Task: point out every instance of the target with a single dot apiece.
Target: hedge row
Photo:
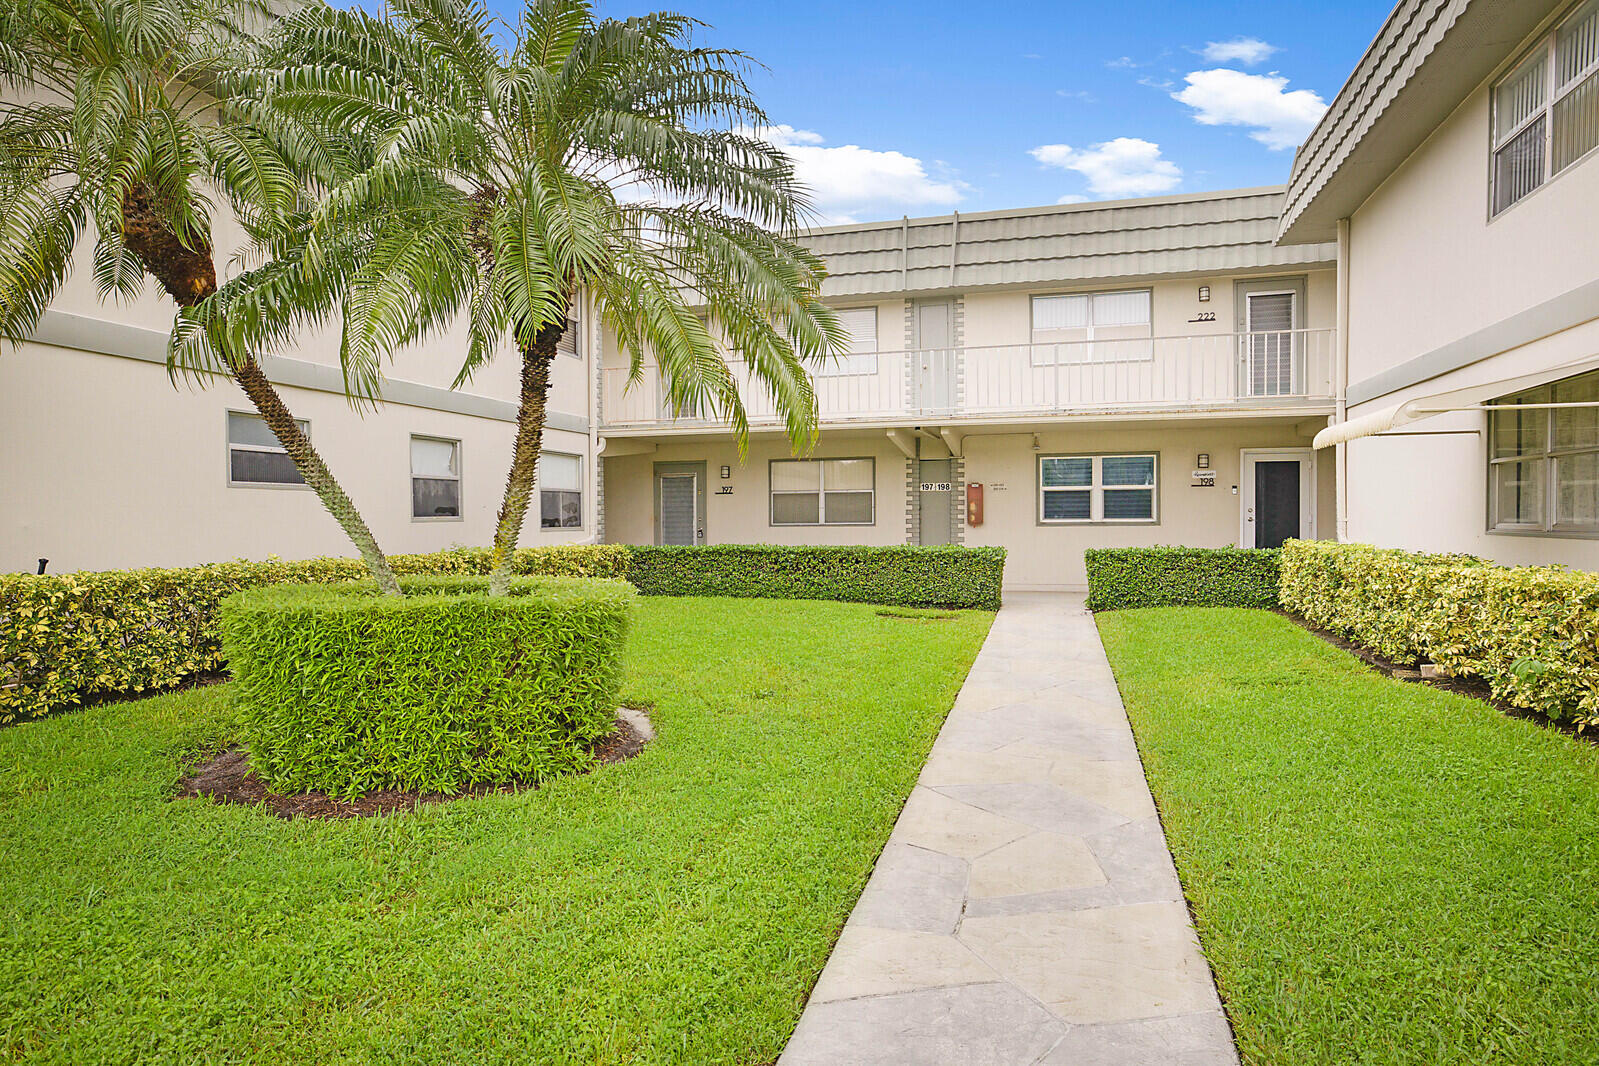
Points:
(68, 638)
(71, 637)
(339, 689)
(1530, 632)
(1122, 578)
(897, 576)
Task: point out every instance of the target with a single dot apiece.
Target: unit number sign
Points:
(937, 486)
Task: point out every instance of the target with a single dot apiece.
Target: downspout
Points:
(592, 351)
(1341, 384)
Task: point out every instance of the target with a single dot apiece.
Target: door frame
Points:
(1308, 489)
(700, 470)
(933, 386)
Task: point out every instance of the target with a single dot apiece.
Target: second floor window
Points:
(1546, 112)
(1091, 327)
(571, 342)
(860, 355)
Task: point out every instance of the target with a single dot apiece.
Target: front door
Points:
(677, 505)
(935, 498)
(1279, 490)
(934, 357)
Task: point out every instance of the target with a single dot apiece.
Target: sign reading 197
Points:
(937, 486)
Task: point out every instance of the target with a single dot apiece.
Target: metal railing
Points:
(1270, 369)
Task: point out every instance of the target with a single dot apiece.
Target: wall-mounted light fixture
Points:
(727, 472)
(1202, 461)
(1204, 294)
(1037, 447)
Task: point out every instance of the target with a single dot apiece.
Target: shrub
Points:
(1122, 578)
(1530, 632)
(68, 638)
(895, 576)
(344, 691)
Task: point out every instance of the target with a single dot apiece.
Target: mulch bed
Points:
(1474, 687)
(227, 778)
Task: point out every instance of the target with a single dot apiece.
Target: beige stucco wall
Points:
(1427, 265)
(1040, 556)
(106, 464)
(1051, 556)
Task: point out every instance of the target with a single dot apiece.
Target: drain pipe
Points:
(42, 564)
(1341, 385)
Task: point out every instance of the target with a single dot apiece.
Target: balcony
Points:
(1222, 372)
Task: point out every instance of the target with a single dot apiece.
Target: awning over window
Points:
(1462, 399)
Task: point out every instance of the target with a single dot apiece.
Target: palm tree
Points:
(606, 157)
(116, 120)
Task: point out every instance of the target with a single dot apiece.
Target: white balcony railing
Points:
(1220, 370)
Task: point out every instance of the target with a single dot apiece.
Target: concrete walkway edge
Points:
(1025, 909)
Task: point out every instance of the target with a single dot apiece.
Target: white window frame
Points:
(582, 496)
(305, 428)
(1544, 52)
(820, 492)
(1096, 489)
(573, 330)
(460, 495)
(853, 364)
(1549, 454)
(1038, 348)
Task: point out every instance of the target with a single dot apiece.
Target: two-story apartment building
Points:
(1458, 171)
(1133, 372)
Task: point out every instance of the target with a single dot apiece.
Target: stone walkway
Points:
(1025, 909)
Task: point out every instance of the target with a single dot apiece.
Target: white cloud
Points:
(1073, 198)
(1281, 119)
(1121, 63)
(1126, 166)
(849, 181)
(1245, 50)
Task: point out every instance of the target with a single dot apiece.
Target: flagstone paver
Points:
(1026, 909)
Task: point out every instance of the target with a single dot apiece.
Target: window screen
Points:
(435, 478)
(254, 455)
(560, 491)
(823, 492)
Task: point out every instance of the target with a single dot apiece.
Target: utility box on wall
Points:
(974, 504)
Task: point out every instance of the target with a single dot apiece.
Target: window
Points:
(1543, 466)
(435, 478)
(1099, 327)
(1546, 112)
(1096, 488)
(824, 492)
(571, 342)
(861, 352)
(254, 455)
(560, 491)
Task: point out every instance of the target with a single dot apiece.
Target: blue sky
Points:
(923, 108)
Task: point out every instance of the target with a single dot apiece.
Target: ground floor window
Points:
(823, 492)
(254, 455)
(1096, 488)
(435, 477)
(560, 491)
(1543, 463)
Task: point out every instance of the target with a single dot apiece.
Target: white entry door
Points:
(935, 355)
(1278, 497)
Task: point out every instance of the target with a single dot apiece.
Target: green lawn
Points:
(1381, 872)
(674, 908)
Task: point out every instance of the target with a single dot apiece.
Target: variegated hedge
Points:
(1530, 632)
(68, 638)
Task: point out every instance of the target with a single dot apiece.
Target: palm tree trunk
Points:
(315, 472)
(188, 273)
(536, 362)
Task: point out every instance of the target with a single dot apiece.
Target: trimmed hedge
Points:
(345, 691)
(1530, 632)
(72, 637)
(1123, 578)
(946, 576)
